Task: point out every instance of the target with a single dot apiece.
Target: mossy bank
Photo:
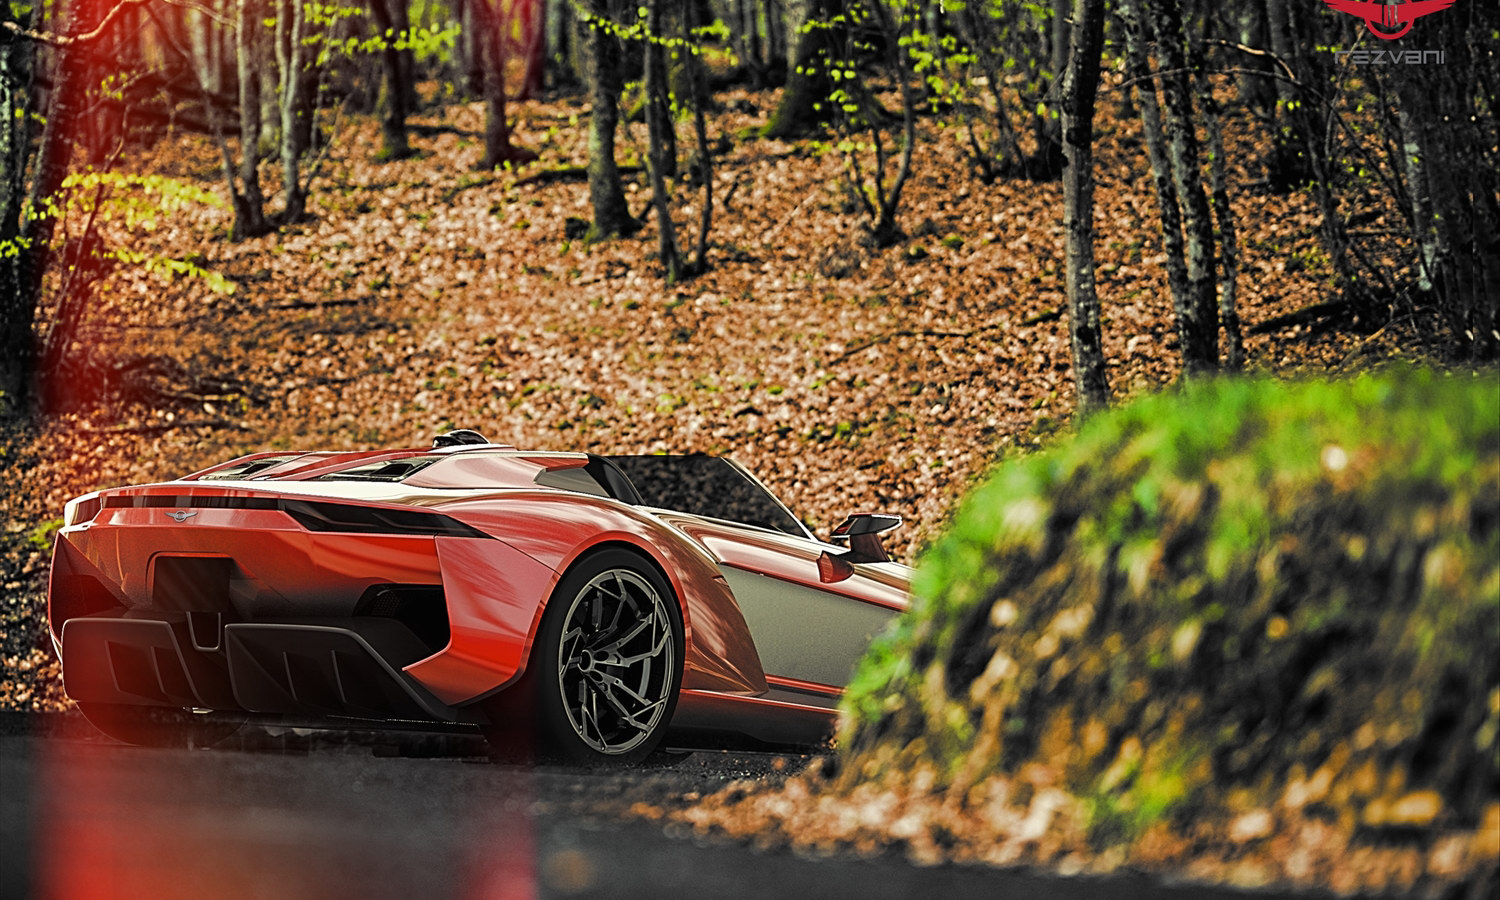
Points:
(1240, 596)
(1245, 630)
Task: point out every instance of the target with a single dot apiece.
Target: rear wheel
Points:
(158, 726)
(607, 662)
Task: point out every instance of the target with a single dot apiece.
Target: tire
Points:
(605, 668)
(157, 726)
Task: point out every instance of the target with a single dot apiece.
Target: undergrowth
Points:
(1237, 595)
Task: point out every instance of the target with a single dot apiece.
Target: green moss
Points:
(42, 536)
(1241, 577)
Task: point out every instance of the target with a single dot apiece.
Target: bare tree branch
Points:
(69, 40)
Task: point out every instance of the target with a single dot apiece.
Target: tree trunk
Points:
(58, 367)
(803, 106)
(533, 32)
(394, 143)
(1060, 35)
(15, 131)
(1080, 83)
(406, 59)
(469, 51)
(21, 282)
(776, 51)
(269, 75)
(492, 63)
(1138, 68)
(1456, 198)
(1197, 319)
(250, 204)
(658, 122)
(17, 305)
(565, 56)
(70, 82)
(227, 40)
(998, 156)
(1229, 249)
(1310, 116)
(200, 47)
(1287, 165)
(289, 33)
(122, 48)
(1423, 222)
(1257, 84)
(611, 215)
(97, 131)
(292, 30)
(498, 150)
(657, 87)
(746, 16)
(705, 169)
(888, 199)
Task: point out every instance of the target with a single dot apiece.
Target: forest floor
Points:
(422, 295)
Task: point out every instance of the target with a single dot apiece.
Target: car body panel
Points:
(791, 559)
(492, 616)
(805, 634)
(280, 569)
(556, 528)
(411, 584)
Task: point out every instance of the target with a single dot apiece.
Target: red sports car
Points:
(582, 605)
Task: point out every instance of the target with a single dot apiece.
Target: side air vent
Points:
(244, 470)
(420, 607)
(392, 470)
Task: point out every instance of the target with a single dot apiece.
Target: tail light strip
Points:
(314, 515)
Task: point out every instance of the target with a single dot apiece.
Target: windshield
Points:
(706, 486)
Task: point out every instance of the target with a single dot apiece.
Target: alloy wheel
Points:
(616, 656)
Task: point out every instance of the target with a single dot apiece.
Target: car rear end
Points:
(248, 597)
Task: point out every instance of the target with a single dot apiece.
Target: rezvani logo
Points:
(1389, 21)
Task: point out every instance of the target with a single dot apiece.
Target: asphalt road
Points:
(324, 815)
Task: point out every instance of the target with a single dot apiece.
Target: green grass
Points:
(1211, 591)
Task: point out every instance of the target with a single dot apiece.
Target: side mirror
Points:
(862, 531)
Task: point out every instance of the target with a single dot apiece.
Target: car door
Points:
(809, 634)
